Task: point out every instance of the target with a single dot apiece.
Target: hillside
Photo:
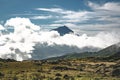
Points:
(113, 49)
(113, 57)
(111, 52)
(74, 56)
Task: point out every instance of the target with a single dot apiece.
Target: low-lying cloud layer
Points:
(28, 41)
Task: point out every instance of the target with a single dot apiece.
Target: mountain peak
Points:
(63, 30)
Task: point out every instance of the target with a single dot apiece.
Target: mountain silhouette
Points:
(63, 30)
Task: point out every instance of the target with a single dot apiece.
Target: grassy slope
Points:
(74, 69)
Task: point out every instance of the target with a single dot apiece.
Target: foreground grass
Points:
(75, 69)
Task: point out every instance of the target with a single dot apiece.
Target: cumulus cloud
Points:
(28, 41)
(20, 41)
(1, 27)
(20, 24)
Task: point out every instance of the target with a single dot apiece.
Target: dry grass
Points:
(57, 70)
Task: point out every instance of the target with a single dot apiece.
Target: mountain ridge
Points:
(109, 53)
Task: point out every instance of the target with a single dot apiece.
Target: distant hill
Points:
(110, 53)
(63, 30)
(73, 56)
(113, 57)
(111, 50)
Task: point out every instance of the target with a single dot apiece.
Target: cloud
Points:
(101, 17)
(67, 24)
(18, 44)
(66, 15)
(68, 20)
(106, 12)
(21, 24)
(28, 41)
(41, 17)
(1, 27)
(55, 10)
(54, 25)
(75, 15)
(110, 6)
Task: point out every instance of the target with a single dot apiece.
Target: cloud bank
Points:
(28, 41)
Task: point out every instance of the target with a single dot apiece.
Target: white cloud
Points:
(55, 10)
(54, 25)
(1, 27)
(41, 17)
(67, 20)
(18, 44)
(93, 5)
(105, 15)
(50, 10)
(71, 25)
(67, 15)
(21, 43)
(75, 15)
(21, 24)
(110, 6)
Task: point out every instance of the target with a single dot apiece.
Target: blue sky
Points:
(83, 16)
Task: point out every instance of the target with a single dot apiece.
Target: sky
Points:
(25, 27)
(83, 16)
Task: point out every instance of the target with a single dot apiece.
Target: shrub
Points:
(57, 78)
(116, 72)
(15, 78)
(1, 74)
(96, 79)
(66, 77)
(58, 74)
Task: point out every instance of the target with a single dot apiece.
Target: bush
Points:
(15, 78)
(57, 78)
(66, 77)
(1, 74)
(116, 72)
(58, 74)
(96, 79)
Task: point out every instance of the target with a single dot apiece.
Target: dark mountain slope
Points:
(113, 49)
(74, 56)
(110, 53)
(113, 57)
(63, 30)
